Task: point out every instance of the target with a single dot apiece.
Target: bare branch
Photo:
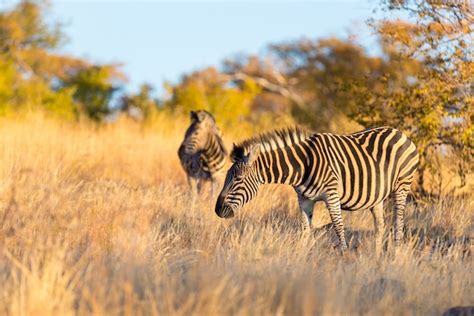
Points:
(280, 89)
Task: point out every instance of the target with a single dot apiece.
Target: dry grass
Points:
(97, 220)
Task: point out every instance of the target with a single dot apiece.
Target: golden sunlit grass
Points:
(98, 220)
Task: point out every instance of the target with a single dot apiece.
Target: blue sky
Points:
(157, 41)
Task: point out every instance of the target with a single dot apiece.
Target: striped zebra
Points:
(347, 172)
(202, 152)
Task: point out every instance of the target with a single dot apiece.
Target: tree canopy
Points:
(34, 75)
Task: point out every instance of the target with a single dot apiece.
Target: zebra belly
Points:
(321, 195)
(195, 168)
(366, 189)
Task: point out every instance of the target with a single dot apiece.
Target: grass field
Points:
(98, 220)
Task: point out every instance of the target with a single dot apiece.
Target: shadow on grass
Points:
(459, 311)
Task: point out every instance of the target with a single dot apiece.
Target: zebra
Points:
(202, 153)
(347, 172)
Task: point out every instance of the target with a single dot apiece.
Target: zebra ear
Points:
(193, 116)
(237, 154)
(253, 154)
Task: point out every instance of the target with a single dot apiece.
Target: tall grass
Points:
(97, 220)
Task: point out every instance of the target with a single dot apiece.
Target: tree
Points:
(435, 105)
(140, 106)
(274, 95)
(33, 75)
(93, 89)
(328, 71)
(315, 79)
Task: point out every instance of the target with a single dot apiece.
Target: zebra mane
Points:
(270, 141)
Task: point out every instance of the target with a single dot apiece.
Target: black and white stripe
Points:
(347, 172)
(202, 152)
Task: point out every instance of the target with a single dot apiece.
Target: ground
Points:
(98, 220)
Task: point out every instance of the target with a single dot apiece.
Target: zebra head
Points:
(202, 123)
(241, 183)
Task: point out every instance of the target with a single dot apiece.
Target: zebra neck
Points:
(279, 166)
(213, 149)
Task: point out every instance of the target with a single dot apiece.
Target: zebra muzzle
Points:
(223, 210)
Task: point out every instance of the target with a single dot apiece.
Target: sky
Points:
(157, 40)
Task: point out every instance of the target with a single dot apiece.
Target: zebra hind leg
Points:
(400, 198)
(377, 214)
(306, 208)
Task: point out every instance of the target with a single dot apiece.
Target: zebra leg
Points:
(192, 185)
(214, 185)
(377, 214)
(399, 213)
(306, 208)
(199, 186)
(334, 206)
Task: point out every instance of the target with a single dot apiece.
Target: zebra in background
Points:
(347, 172)
(202, 152)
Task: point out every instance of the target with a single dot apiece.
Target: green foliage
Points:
(140, 106)
(7, 80)
(93, 89)
(18, 93)
(33, 76)
(61, 103)
(24, 27)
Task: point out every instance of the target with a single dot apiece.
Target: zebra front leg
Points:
(306, 208)
(377, 214)
(199, 185)
(213, 187)
(193, 189)
(399, 214)
(334, 207)
(192, 185)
